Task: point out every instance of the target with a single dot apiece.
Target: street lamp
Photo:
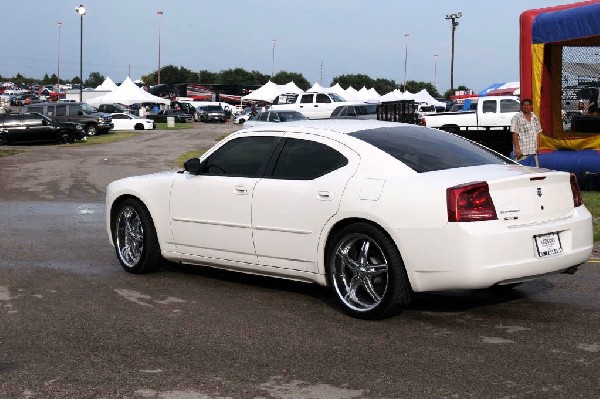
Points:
(273, 63)
(159, 14)
(81, 11)
(435, 59)
(453, 18)
(406, 35)
(58, 66)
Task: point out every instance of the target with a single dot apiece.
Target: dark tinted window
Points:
(120, 116)
(323, 98)
(263, 116)
(489, 106)
(35, 109)
(426, 150)
(307, 98)
(245, 156)
(306, 160)
(509, 105)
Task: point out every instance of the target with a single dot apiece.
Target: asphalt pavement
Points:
(73, 324)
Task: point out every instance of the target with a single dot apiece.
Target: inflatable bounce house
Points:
(560, 72)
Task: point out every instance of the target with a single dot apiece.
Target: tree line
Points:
(238, 76)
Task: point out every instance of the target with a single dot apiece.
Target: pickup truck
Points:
(312, 105)
(486, 122)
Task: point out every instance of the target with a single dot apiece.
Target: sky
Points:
(320, 39)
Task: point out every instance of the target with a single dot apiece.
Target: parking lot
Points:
(75, 325)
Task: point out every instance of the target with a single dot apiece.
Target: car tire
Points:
(366, 273)
(138, 126)
(3, 139)
(91, 130)
(134, 237)
(65, 137)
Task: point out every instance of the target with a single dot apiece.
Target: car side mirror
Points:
(194, 166)
(44, 122)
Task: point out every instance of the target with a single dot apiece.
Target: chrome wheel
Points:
(359, 272)
(129, 236)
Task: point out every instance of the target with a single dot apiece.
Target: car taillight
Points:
(470, 202)
(423, 123)
(577, 200)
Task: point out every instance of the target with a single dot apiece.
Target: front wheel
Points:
(64, 138)
(366, 273)
(134, 237)
(91, 130)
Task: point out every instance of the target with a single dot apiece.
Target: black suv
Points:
(212, 113)
(31, 126)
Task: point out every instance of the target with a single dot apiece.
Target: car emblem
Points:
(539, 192)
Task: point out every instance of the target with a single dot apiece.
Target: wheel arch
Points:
(112, 213)
(342, 223)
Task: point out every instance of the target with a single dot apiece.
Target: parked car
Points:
(374, 210)
(278, 116)
(211, 113)
(127, 121)
(243, 116)
(363, 111)
(188, 108)
(93, 122)
(162, 115)
(29, 127)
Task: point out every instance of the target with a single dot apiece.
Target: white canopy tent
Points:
(107, 85)
(267, 92)
(128, 93)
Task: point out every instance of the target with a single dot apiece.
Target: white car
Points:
(127, 121)
(374, 210)
(245, 115)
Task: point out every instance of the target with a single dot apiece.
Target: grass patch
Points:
(591, 199)
(178, 126)
(6, 153)
(105, 138)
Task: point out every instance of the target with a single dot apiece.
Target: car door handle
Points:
(240, 190)
(325, 195)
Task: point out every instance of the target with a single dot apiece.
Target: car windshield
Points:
(88, 109)
(289, 116)
(214, 108)
(426, 150)
(337, 98)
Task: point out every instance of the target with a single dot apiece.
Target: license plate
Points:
(548, 244)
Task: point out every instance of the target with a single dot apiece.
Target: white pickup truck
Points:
(312, 105)
(487, 121)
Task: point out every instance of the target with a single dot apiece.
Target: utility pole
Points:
(321, 83)
(454, 23)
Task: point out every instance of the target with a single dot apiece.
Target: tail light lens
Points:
(577, 200)
(423, 122)
(470, 202)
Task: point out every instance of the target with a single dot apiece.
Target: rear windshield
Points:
(425, 150)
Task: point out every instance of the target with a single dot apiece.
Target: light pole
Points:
(81, 11)
(159, 14)
(273, 63)
(453, 18)
(58, 65)
(435, 59)
(406, 35)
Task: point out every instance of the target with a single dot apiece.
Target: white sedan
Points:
(374, 210)
(127, 121)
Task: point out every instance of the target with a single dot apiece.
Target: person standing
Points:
(526, 133)
(593, 104)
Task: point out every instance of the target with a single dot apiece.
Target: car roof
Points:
(327, 127)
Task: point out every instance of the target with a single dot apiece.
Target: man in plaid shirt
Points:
(526, 132)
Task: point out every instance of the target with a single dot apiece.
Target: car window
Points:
(306, 160)
(244, 156)
(263, 116)
(35, 109)
(273, 117)
(307, 98)
(323, 98)
(509, 105)
(119, 116)
(489, 106)
(426, 150)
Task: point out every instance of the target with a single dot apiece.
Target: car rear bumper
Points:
(482, 254)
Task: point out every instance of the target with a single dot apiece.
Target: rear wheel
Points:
(138, 126)
(451, 129)
(134, 237)
(3, 140)
(366, 273)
